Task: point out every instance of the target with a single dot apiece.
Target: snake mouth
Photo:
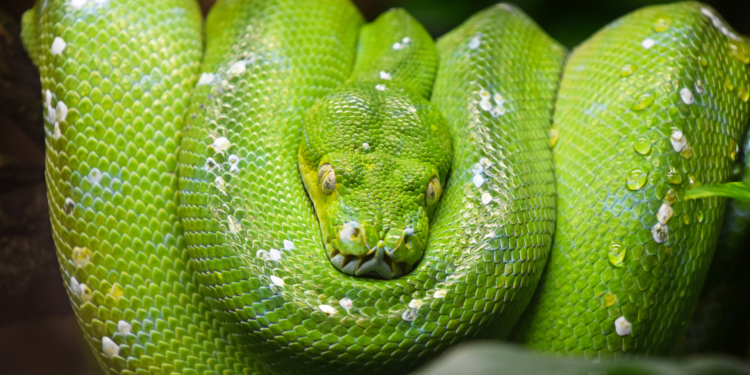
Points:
(357, 251)
(378, 263)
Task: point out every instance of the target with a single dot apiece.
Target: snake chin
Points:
(378, 264)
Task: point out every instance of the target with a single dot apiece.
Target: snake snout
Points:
(373, 251)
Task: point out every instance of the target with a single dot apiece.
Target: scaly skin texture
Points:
(114, 99)
(627, 243)
(499, 206)
(268, 61)
(188, 243)
(255, 240)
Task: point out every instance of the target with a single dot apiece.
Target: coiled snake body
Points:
(310, 195)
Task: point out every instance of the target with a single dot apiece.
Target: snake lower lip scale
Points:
(189, 189)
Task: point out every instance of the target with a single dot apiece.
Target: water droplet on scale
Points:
(642, 146)
(671, 197)
(643, 101)
(699, 86)
(728, 84)
(627, 70)
(554, 135)
(740, 50)
(743, 93)
(699, 216)
(693, 181)
(636, 179)
(616, 256)
(674, 177)
(661, 24)
(609, 299)
(702, 61)
(687, 152)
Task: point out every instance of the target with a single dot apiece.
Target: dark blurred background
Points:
(38, 333)
(568, 21)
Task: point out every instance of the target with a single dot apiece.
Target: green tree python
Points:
(289, 190)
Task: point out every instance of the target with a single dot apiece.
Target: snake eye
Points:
(327, 178)
(433, 191)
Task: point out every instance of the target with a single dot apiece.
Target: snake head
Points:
(374, 167)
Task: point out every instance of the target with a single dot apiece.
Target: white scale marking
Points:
(109, 347)
(221, 144)
(719, 25)
(687, 96)
(274, 254)
(660, 233)
(206, 78)
(277, 280)
(486, 198)
(678, 140)
(95, 175)
(665, 213)
(58, 46)
(623, 326)
(475, 42)
(61, 112)
(346, 303)
(348, 231)
(478, 180)
(237, 68)
(327, 309)
(124, 327)
(409, 315)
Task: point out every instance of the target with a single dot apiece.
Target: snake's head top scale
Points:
(374, 164)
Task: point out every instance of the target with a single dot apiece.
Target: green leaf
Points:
(734, 190)
(503, 359)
